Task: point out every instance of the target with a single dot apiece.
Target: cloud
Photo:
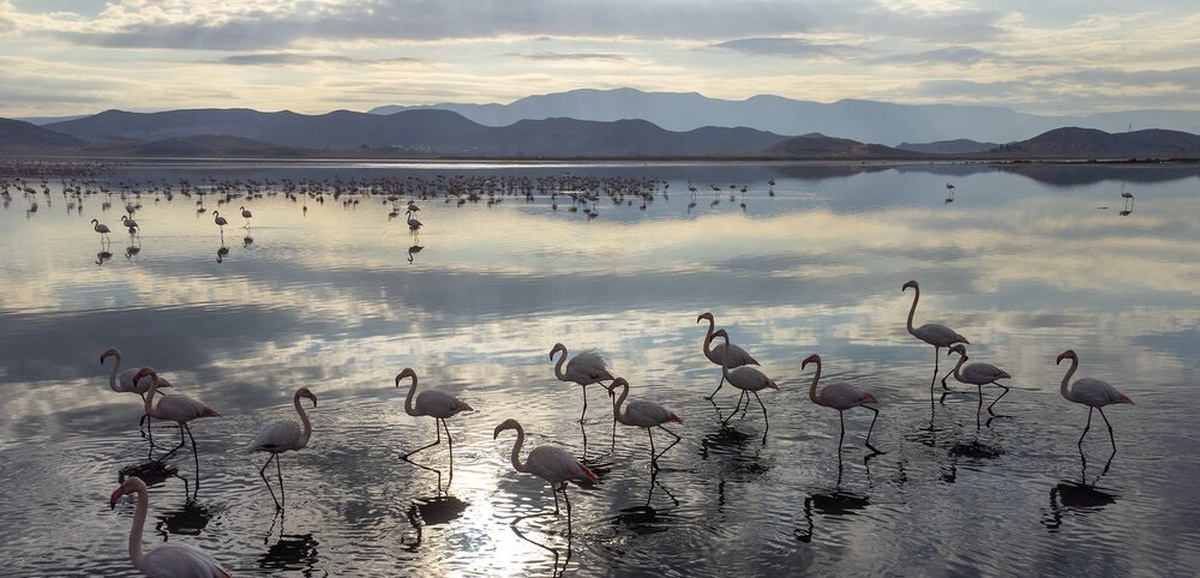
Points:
(790, 47)
(292, 59)
(561, 56)
(955, 55)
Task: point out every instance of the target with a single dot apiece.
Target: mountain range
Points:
(432, 132)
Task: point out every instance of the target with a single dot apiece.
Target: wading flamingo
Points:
(550, 463)
(840, 396)
(1091, 392)
(737, 356)
(979, 374)
(938, 336)
(101, 228)
(178, 408)
(586, 368)
(280, 437)
(125, 383)
(747, 378)
(173, 559)
(434, 403)
(246, 214)
(220, 221)
(643, 414)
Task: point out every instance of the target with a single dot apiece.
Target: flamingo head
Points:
(706, 315)
(814, 358)
(617, 382)
(557, 347)
(130, 485)
(956, 348)
(111, 351)
(143, 372)
(722, 334)
(95, 221)
(1068, 354)
(406, 372)
(509, 423)
(912, 283)
(304, 392)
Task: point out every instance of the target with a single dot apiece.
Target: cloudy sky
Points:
(65, 57)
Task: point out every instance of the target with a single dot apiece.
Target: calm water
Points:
(1026, 262)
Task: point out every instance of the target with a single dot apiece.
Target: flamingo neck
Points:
(516, 451)
(112, 376)
(617, 414)
(1065, 388)
(912, 310)
(139, 521)
(708, 336)
(150, 394)
(961, 360)
(812, 389)
(725, 358)
(558, 365)
(408, 401)
(303, 419)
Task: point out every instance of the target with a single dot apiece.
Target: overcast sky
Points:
(66, 57)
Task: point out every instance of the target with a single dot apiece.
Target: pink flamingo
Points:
(643, 414)
(747, 378)
(282, 436)
(586, 368)
(737, 356)
(180, 409)
(979, 374)
(434, 403)
(126, 381)
(173, 559)
(938, 336)
(1091, 392)
(550, 463)
(841, 396)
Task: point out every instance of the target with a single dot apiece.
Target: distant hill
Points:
(861, 120)
(15, 133)
(1085, 143)
(949, 147)
(819, 146)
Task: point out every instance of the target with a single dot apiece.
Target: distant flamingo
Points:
(101, 228)
(841, 396)
(130, 224)
(643, 414)
(172, 559)
(280, 437)
(938, 336)
(246, 214)
(180, 409)
(413, 224)
(586, 368)
(737, 356)
(979, 374)
(747, 378)
(220, 221)
(550, 463)
(433, 403)
(1091, 392)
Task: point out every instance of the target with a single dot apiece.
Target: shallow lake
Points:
(325, 286)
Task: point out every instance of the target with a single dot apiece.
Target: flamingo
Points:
(938, 336)
(747, 378)
(413, 224)
(840, 396)
(246, 214)
(173, 559)
(220, 221)
(643, 414)
(1091, 392)
(280, 437)
(130, 224)
(550, 463)
(585, 368)
(434, 403)
(101, 228)
(126, 382)
(738, 356)
(180, 409)
(979, 374)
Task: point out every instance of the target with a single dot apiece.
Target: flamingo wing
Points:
(555, 465)
(737, 356)
(181, 408)
(648, 414)
(1096, 393)
(280, 436)
(181, 561)
(844, 396)
(981, 373)
(938, 335)
(587, 367)
(750, 378)
(439, 404)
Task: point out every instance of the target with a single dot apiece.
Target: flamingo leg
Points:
(764, 408)
(554, 492)
(1005, 388)
(710, 396)
(262, 473)
(584, 412)
(1111, 439)
(437, 429)
(979, 407)
(668, 448)
(653, 456)
(182, 441)
(736, 407)
(1087, 426)
(568, 502)
(871, 429)
(279, 473)
(842, 423)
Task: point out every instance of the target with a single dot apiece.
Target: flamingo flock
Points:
(553, 464)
